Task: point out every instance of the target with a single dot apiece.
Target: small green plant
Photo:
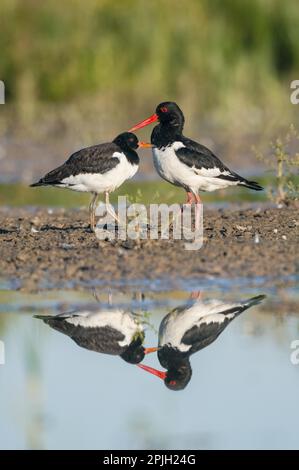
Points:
(283, 162)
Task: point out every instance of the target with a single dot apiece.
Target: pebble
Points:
(241, 228)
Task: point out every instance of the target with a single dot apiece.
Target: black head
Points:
(178, 379)
(135, 352)
(170, 113)
(170, 117)
(127, 140)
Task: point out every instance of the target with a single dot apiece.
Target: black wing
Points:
(200, 157)
(103, 340)
(201, 336)
(95, 159)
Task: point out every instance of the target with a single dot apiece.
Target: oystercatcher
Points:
(98, 169)
(189, 328)
(112, 331)
(184, 162)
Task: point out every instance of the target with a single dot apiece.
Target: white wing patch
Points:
(210, 172)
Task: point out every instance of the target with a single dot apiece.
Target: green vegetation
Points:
(144, 192)
(215, 55)
(283, 163)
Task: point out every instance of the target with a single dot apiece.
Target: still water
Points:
(56, 394)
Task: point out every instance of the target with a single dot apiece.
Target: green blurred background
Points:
(79, 72)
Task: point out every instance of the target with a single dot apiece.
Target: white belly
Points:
(117, 319)
(100, 183)
(170, 168)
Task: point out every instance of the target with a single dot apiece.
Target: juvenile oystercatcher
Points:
(98, 169)
(116, 332)
(189, 328)
(184, 162)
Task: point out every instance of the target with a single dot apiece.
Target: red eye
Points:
(164, 109)
(172, 382)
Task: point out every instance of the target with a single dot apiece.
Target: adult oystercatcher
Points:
(189, 328)
(112, 331)
(184, 162)
(98, 169)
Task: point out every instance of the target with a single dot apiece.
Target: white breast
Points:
(100, 183)
(176, 323)
(120, 320)
(168, 165)
(170, 168)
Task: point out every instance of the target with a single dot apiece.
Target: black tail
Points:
(45, 183)
(59, 317)
(44, 317)
(254, 301)
(238, 309)
(39, 183)
(251, 185)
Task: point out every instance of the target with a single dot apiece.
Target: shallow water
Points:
(243, 392)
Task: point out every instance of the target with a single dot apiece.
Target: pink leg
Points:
(190, 198)
(197, 199)
(196, 295)
(197, 211)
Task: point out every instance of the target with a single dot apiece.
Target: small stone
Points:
(67, 246)
(241, 228)
(21, 257)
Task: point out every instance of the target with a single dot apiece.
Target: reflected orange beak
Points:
(150, 350)
(144, 145)
(144, 123)
(157, 373)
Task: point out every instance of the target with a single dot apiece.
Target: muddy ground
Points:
(41, 247)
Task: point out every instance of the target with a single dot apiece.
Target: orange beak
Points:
(144, 123)
(144, 145)
(150, 350)
(157, 373)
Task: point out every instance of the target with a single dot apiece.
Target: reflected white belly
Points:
(175, 325)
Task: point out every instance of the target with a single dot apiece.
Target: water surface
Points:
(243, 392)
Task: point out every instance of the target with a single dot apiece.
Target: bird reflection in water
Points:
(188, 329)
(107, 330)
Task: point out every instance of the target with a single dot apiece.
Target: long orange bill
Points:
(157, 373)
(144, 123)
(150, 350)
(144, 145)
